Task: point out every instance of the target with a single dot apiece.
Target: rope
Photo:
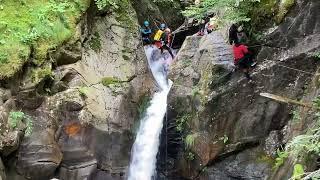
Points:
(266, 45)
(172, 40)
(166, 159)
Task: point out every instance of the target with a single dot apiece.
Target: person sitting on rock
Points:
(243, 59)
(162, 39)
(146, 33)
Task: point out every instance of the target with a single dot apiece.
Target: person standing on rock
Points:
(243, 59)
(162, 39)
(233, 34)
(146, 33)
(202, 27)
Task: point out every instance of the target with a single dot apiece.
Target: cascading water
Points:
(145, 147)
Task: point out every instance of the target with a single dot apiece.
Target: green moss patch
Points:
(107, 81)
(284, 8)
(39, 25)
(41, 73)
(95, 42)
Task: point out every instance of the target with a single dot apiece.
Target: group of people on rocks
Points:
(243, 58)
(206, 26)
(161, 38)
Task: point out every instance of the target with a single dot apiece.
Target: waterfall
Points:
(145, 147)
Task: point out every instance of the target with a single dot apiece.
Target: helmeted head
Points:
(146, 23)
(162, 26)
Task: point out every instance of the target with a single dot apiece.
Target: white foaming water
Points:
(145, 147)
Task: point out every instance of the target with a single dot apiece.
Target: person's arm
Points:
(143, 31)
(164, 37)
(244, 49)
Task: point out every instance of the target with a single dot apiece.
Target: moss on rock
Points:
(107, 81)
(37, 25)
(284, 8)
(95, 42)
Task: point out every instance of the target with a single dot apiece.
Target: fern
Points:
(16, 118)
(226, 10)
(101, 4)
(189, 140)
(181, 121)
(281, 156)
(298, 172)
(317, 55)
(190, 156)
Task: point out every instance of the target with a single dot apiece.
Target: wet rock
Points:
(2, 171)
(102, 175)
(244, 165)
(9, 138)
(10, 142)
(111, 150)
(78, 161)
(229, 106)
(69, 54)
(168, 11)
(29, 99)
(272, 143)
(4, 95)
(39, 155)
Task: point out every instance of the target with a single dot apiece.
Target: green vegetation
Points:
(190, 156)
(226, 10)
(280, 159)
(107, 81)
(40, 73)
(316, 55)
(40, 25)
(296, 116)
(189, 140)
(298, 172)
(303, 146)
(84, 91)
(225, 139)
(285, 5)
(18, 118)
(95, 42)
(181, 121)
(101, 4)
(195, 91)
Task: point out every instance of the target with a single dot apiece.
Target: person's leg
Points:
(246, 73)
(169, 50)
(243, 64)
(161, 49)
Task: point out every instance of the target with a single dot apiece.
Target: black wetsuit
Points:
(233, 34)
(165, 40)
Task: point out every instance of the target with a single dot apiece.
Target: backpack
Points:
(158, 35)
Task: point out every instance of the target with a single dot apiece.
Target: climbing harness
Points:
(174, 35)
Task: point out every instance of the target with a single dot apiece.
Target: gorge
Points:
(82, 98)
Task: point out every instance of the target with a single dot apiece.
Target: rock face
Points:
(159, 12)
(228, 117)
(39, 155)
(85, 109)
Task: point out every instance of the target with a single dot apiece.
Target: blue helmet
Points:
(146, 23)
(162, 26)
